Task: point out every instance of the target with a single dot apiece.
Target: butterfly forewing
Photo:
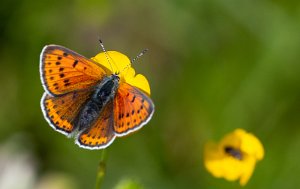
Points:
(100, 134)
(63, 70)
(132, 109)
(61, 111)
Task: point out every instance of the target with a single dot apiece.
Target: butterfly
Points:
(94, 100)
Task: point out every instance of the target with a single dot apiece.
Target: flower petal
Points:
(252, 146)
(114, 61)
(221, 165)
(140, 82)
(248, 168)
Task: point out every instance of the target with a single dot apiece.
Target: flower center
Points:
(236, 153)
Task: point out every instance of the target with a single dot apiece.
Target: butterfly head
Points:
(115, 77)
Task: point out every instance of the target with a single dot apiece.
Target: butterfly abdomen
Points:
(103, 93)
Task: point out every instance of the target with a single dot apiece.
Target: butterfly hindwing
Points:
(132, 109)
(63, 70)
(61, 111)
(100, 134)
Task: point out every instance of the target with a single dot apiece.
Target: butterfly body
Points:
(103, 93)
(86, 99)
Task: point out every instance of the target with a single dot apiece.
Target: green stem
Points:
(101, 169)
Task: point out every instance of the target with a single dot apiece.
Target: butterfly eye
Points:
(116, 77)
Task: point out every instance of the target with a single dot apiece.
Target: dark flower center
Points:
(236, 153)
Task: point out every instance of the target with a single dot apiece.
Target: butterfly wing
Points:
(132, 109)
(61, 111)
(63, 70)
(100, 134)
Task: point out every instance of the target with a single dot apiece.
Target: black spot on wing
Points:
(75, 63)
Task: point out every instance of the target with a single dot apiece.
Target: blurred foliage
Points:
(213, 66)
(128, 184)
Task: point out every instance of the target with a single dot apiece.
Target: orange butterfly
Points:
(87, 98)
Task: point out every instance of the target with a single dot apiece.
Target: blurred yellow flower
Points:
(234, 157)
(116, 62)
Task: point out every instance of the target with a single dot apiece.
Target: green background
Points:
(213, 66)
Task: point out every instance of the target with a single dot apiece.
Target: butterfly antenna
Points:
(139, 55)
(106, 55)
(125, 68)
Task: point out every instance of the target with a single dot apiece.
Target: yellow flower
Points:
(234, 157)
(118, 63)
